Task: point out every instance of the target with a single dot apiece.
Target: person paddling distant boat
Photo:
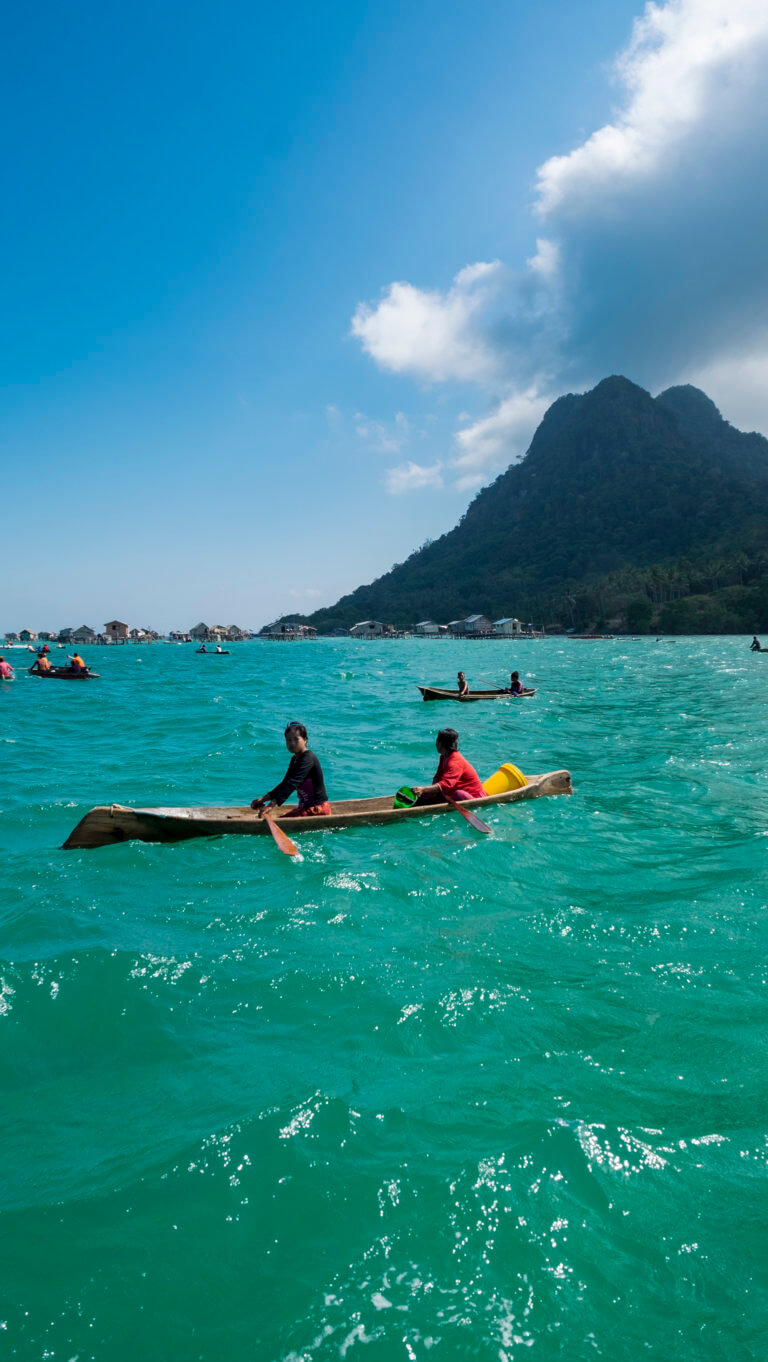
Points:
(756, 646)
(6, 670)
(516, 686)
(41, 664)
(454, 775)
(304, 775)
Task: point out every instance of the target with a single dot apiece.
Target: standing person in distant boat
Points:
(756, 646)
(516, 686)
(304, 775)
(463, 684)
(454, 775)
(6, 670)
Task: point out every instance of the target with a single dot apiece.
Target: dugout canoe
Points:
(65, 674)
(435, 693)
(112, 823)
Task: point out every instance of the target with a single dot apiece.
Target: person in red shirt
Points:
(454, 775)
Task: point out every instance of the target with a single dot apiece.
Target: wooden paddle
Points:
(285, 844)
(468, 814)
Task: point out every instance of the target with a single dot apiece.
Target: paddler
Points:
(41, 665)
(304, 775)
(6, 670)
(454, 775)
(516, 686)
(756, 646)
(76, 663)
(463, 684)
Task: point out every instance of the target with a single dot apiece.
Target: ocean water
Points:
(421, 1094)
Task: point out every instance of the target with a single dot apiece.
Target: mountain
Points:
(746, 455)
(615, 483)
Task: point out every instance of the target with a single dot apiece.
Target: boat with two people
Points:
(76, 670)
(456, 787)
(463, 692)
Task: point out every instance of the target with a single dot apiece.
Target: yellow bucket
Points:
(508, 777)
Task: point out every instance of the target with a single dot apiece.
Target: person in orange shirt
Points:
(77, 664)
(41, 664)
(454, 775)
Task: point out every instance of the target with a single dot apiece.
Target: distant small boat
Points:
(213, 652)
(435, 693)
(112, 823)
(590, 637)
(66, 674)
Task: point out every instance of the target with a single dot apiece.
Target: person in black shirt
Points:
(304, 775)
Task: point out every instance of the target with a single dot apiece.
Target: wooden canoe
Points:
(111, 823)
(65, 674)
(435, 693)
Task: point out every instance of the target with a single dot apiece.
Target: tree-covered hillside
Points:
(623, 502)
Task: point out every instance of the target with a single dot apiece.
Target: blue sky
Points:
(238, 379)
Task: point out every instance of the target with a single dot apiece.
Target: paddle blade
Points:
(468, 814)
(285, 844)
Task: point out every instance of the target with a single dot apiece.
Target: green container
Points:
(405, 797)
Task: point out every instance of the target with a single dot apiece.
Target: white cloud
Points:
(413, 477)
(502, 437)
(546, 261)
(428, 333)
(685, 58)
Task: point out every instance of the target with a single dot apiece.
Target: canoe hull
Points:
(64, 674)
(110, 824)
(435, 693)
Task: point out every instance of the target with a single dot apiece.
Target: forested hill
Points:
(614, 483)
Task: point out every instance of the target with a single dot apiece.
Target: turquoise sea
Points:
(421, 1094)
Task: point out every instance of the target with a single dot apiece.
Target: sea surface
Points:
(421, 1094)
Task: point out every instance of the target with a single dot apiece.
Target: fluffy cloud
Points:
(431, 334)
(502, 437)
(685, 67)
(653, 261)
(413, 477)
